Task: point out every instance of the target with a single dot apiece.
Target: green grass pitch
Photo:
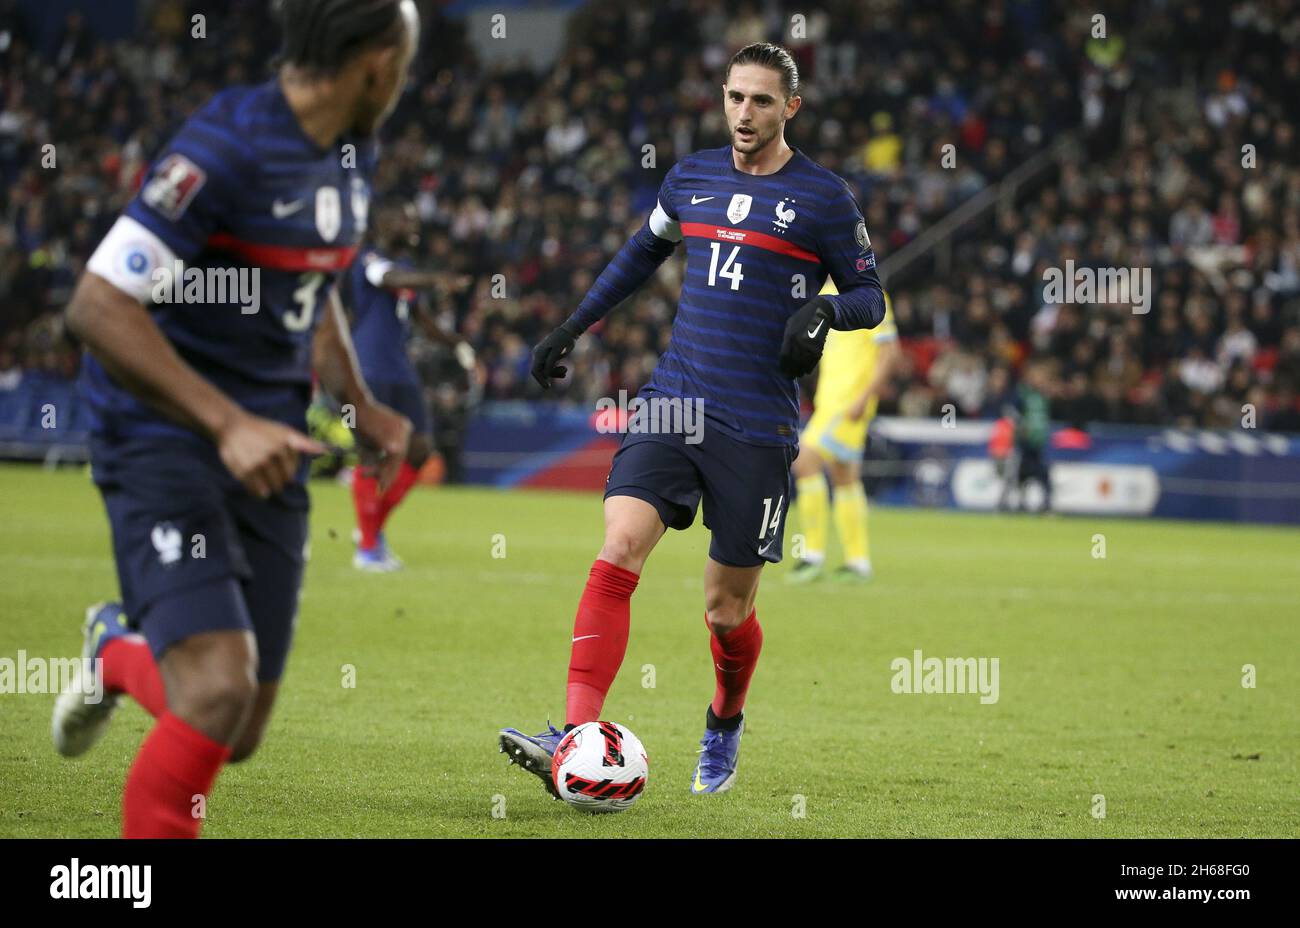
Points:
(1119, 677)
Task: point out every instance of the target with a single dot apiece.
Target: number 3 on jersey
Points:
(305, 297)
(730, 270)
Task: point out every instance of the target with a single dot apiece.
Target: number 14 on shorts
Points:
(771, 521)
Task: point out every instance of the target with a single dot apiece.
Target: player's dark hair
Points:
(323, 35)
(771, 56)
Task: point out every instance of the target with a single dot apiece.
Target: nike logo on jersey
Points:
(812, 333)
(763, 550)
(695, 200)
(281, 210)
(584, 637)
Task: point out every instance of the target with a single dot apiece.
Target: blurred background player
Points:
(383, 299)
(1030, 411)
(201, 406)
(854, 369)
(755, 215)
(1002, 446)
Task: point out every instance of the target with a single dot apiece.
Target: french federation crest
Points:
(329, 213)
(739, 207)
(784, 216)
(166, 539)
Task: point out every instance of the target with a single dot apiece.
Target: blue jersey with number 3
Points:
(262, 221)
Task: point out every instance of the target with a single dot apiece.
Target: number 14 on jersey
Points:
(730, 269)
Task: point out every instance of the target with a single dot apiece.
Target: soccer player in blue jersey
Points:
(381, 293)
(205, 311)
(764, 227)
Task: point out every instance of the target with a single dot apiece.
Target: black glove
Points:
(805, 337)
(547, 355)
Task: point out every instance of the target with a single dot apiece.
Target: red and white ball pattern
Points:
(600, 767)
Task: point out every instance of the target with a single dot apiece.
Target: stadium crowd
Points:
(1204, 189)
(533, 179)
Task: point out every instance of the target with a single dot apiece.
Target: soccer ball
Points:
(600, 767)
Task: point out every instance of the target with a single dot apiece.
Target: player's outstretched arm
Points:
(385, 274)
(402, 279)
(424, 317)
(335, 363)
(122, 336)
(463, 350)
(635, 263)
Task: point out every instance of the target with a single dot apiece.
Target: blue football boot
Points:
(719, 751)
(533, 752)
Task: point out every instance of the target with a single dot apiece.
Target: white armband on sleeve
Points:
(375, 271)
(133, 259)
(663, 226)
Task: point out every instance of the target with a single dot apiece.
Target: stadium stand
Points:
(1121, 151)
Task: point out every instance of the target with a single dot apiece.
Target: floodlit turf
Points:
(1119, 677)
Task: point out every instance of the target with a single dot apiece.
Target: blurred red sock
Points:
(129, 668)
(599, 639)
(365, 497)
(396, 492)
(176, 763)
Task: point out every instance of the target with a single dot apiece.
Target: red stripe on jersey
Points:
(285, 257)
(745, 237)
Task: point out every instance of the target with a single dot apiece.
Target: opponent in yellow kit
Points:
(854, 367)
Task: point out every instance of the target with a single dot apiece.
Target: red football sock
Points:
(365, 497)
(129, 667)
(735, 655)
(176, 763)
(396, 492)
(599, 639)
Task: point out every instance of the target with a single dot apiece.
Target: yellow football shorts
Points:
(834, 436)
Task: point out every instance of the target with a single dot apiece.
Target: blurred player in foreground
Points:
(201, 403)
(764, 226)
(381, 295)
(854, 369)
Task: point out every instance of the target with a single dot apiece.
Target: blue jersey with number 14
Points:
(758, 247)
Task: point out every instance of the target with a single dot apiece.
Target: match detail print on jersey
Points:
(746, 237)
